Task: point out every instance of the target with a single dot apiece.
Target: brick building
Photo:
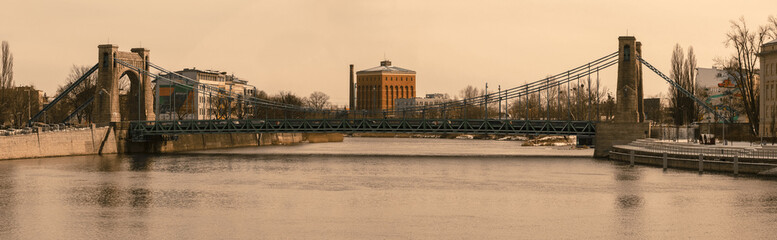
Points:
(378, 87)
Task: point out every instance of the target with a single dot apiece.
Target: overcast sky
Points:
(306, 46)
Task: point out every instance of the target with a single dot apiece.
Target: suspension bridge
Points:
(444, 118)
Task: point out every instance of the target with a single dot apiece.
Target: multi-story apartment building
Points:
(768, 106)
(178, 101)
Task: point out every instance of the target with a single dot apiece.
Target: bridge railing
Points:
(767, 154)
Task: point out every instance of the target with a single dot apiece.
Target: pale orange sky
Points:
(306, 46)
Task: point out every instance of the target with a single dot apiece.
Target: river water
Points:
(366, 188)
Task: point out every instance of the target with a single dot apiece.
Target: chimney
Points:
(351, 98)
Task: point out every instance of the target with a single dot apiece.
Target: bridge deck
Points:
(140, 129)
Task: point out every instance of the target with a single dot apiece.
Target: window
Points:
(106, 61)
(626, 53)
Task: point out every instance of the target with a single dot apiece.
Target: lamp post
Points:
(28, 104)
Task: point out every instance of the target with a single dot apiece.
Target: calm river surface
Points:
(320, 192)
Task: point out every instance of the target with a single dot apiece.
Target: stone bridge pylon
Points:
(139, 99)
(629, 123)
(628, 108)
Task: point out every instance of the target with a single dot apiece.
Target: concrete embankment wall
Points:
(611, 134)
(60, 143)
(323, 137)
(192, 142)
(112, 140)
(189, 142)
(689, 162)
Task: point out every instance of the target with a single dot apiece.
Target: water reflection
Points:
(357, 197)
(140, 162)
(769, 203)
(141, 197)
(7, 199)
(108, 195)
(109, 164)
(629, 201)
(627, 173)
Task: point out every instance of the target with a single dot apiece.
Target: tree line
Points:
(581, 100)
(17, 103)
(742, 67)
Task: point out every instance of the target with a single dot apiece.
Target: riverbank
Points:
(68, 142)
(110, 140)
(755, 160)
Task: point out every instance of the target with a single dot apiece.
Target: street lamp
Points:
(28, 105)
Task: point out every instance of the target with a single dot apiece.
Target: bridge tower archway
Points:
(140, 97)
(130, 96)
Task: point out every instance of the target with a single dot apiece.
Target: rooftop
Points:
(194, 69)
(385, 66)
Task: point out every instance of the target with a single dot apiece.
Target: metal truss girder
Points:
(140, 129)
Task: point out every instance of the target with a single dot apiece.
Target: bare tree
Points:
(318, 100)
(689, 74)
(241, 107)
(470, 92)
(690, 66)
(682, 107)
(773, 26)
(6, 74)
(675, 95)
(220, 105)
(470, 111)
(609, 107)
(261, 95)
(288, 98)
(743, 64)
(78, 96)
(6, 82)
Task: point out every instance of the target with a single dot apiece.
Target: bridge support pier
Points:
(611, 134)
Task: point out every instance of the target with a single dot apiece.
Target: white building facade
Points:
(768, 90)
(430, 99)
(178, 102)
